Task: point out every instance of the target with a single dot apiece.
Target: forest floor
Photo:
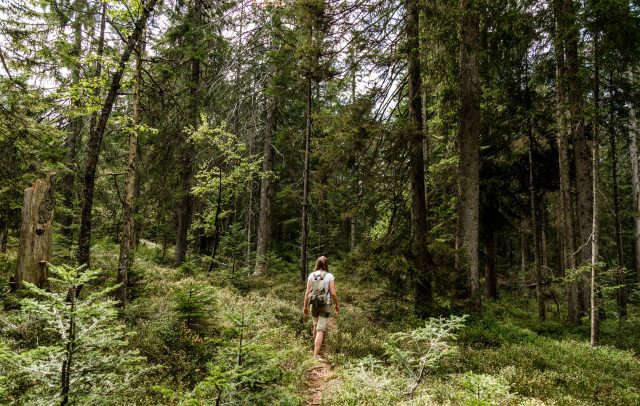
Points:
(246, 336)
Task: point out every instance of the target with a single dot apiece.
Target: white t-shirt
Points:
(327, 278)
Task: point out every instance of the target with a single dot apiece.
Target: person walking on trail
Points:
(320, 294)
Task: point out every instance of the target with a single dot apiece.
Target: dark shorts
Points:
(320, 316)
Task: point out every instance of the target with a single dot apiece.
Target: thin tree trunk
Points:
(525, 224)
(4, 235)
(127, 235)
(536, 219)
(95, 138)
(490, 275)
(352, 220)
(216, 222)
(469, 146)
(621, 293)
(595, 241)
(305, 185)
(71, 143)
(185, 210)
(564, 21)
(266, 192)
(423, 262)
(543, 237)
(99, 53)
(70, 347)
(635, 182)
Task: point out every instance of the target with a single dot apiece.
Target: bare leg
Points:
(318, 343)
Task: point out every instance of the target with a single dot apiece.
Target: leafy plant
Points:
(87, 361)
(419, 350)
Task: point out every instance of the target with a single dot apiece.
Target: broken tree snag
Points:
(35, 233)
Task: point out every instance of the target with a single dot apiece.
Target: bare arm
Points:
(305, 305)
(334, 296)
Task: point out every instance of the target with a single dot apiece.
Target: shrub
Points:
(87, 361)
(412, 355)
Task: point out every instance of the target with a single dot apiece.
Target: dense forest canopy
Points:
(172, 161)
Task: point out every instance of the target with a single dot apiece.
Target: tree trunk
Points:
(216, 222)
(352, 219)
(583, 182)
(621, 293)
(490, 275)
(635, 182)
(36, 233)
(305, 186)
(543, 237)
(469, 146)
(127, 235)
(595, 314)
(71, 143)
(536, 218)
(423, 263)
(99, 52)
(525, 224)
(266, 191)
(95, 138)
(185, 211)
(4, 236)
(564, 33)
(70, 348)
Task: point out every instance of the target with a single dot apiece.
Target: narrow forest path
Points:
(321, 374)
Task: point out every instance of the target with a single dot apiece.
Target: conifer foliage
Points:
(79, 353)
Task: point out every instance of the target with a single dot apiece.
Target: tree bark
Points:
(127, 235)
(621, 293)
(536, 218)
(185, 211)
(469, 147)
(4, 235)
(99, 52)
(635, 182)
(422, 260)
(266, 191)
(564, 34)
(216, 222)
(595, 241)
(583, 182)
(36, 233)
(71, 143)
(490, 275)
(95, 138)
(305, 185)
(525, 224)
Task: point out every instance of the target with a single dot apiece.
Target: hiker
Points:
(321, 293)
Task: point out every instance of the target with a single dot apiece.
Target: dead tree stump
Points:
(36, 233)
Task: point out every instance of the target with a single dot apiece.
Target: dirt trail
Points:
(321, 374)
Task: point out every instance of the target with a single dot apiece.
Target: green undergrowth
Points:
(504, 357)
(230, 338)
(203, 337)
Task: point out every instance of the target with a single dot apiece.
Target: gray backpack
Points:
(318, 293)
